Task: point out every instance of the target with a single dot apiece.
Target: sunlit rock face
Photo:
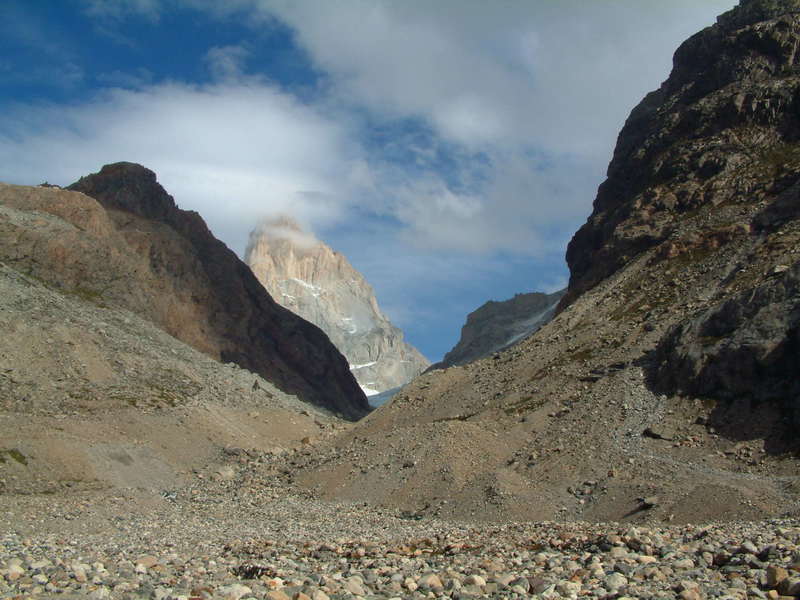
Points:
(320, 285)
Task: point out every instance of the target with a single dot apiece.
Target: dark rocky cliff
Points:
(707, 173)
(746, 347)
(722, 128)
(137, 250)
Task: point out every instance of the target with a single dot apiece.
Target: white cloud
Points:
(559, 75)
(515, 109)
(227, 62)
(538, 89)
(234, 152)
(282, 228)
(524, 104)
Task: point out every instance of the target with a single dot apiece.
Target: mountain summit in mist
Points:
(317, 283)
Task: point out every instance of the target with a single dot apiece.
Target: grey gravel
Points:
(258, 538)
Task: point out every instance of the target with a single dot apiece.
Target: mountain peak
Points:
(130, 187)
(284, 227)
(221, 308)
(749, 12)
(312, 280)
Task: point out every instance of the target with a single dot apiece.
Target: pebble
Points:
(615, 581)
(775, 575)
(236, 591)
(295, 548)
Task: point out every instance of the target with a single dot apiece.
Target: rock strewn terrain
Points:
(252, 535)
(131, 247)
(320, 285)
(134, 467)
(497, 325)
(96, 398)
(572, 424)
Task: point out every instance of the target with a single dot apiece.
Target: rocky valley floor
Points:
(246, 532)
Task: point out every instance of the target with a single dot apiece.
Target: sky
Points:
(449, 149)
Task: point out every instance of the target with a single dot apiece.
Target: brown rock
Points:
(775, 575)
(148, 561)
(122, 241)
(430, 581)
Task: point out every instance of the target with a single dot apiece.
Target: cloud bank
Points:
(233, 151)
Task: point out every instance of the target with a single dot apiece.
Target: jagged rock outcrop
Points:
(723, 128)
(496, 326)
(746, 347)
(711, 160)
(320, 285)
(117, 238)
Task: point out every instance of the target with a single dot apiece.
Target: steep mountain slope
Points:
(123, 242)
(497, 325)
(310, 279)
(722, 130)
(670, 372)
(93, 398)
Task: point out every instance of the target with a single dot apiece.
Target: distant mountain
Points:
(317, 283)
(497, 325)
(117, 238)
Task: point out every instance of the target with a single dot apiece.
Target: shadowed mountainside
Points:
(496, 326)
(117, 238)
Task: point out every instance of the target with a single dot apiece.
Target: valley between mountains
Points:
(172, 426)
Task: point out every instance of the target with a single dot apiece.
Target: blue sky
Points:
(449, 149)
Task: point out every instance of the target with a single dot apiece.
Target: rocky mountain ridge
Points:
(669, 371)
(117, 238)
(320, 285)
(495, 326)
(722, 128)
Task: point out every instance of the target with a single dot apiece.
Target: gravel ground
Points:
(247, 532)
